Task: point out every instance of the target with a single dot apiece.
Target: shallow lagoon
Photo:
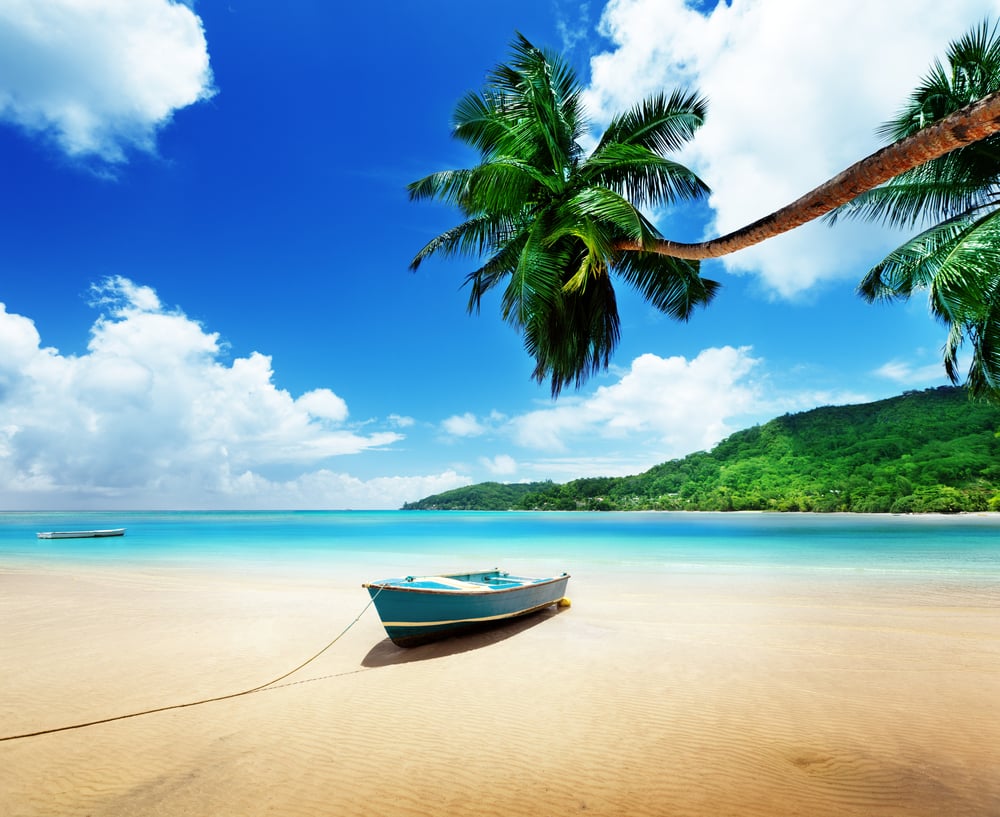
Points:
(967, 545)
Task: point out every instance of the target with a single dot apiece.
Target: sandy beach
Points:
(701, 693)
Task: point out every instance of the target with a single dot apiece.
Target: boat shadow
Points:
(385, 653)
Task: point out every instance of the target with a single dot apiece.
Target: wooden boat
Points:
(81, 534)
(415, 610)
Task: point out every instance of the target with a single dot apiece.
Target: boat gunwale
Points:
(390, 584)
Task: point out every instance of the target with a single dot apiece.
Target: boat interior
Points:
(488, 580)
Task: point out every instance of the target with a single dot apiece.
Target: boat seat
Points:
(456, 584)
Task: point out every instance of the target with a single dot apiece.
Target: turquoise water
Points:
(388, 541)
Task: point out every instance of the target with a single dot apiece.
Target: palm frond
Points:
(966, 279)
(930, 101)
(505, 185)
(958, 263)
(913, 264)
(983, 375)
(538, 277)
(538, 98)
(476, 236)
(501, 265)
(983, 379)
(957, 260)
(446, 185)
(477, 122)
(617, 215)
(574, 336)
(660, 123)
(961, 181)
(903, 203)
(671, 285)
(643, 176)
(972, 72)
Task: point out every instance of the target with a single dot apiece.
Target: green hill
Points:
(486, 496)
(921, 452)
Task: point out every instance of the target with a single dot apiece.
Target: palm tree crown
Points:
(956, 259)
(548, 221)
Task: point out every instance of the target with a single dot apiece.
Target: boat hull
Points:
(415, 611)
(81, 534)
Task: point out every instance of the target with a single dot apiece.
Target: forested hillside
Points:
(486, 496)
(927, 451)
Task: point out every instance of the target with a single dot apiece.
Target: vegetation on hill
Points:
(486, 496)
(921, 452)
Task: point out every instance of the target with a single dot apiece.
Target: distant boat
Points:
(415, 610)
(80, 534)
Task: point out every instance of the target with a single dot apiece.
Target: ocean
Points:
(384, 543)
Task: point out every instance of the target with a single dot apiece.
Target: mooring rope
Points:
(257, 688)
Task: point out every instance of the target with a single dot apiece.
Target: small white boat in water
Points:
(81, 534)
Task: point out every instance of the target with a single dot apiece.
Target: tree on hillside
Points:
(957, 259)
(548, 218)
(554, 224)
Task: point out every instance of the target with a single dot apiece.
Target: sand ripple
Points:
(696, 697)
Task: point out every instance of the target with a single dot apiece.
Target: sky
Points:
(205, 300)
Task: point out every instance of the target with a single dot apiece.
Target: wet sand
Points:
(702, 693)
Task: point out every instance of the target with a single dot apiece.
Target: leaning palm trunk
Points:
(964, 127)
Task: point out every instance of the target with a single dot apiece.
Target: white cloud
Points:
(327, 489)
(464, 425)
(795, 93)
(100, 77)
(907, 373)
(150, 415)
(572, 23)
(659, 409)
(323, 404)
(663, 407)
(500, 465)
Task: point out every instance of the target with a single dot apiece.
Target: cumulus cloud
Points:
(323, 404)
(100, 77)
(316, 488)
(907, 373)
(152, 415)
(500, 465)
(464, 425)
(795, 93)
(673, 404)
(657, 410)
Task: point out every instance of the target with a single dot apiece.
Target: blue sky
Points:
(204, 240)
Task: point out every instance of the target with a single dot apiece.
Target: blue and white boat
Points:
(418, 609)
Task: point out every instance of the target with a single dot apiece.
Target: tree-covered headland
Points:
(932, 451)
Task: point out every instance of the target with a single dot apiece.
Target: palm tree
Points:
(547, 220)
(555, 224)
(956, 259)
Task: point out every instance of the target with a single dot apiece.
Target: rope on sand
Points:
(250, 691)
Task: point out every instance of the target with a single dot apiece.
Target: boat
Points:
(419, 609)
(80, 534)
